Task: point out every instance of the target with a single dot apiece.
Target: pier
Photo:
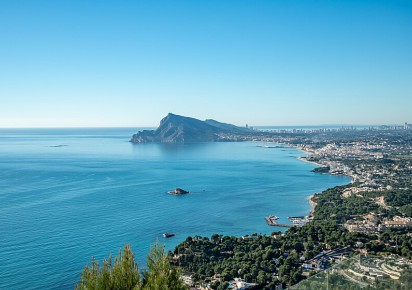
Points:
(275, 224)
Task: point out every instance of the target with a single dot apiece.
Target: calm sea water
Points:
(69, 194)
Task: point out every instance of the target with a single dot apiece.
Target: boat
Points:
(168, 235)
(273, 217)
(299, 221)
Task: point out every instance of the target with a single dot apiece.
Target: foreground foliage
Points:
(123, 273)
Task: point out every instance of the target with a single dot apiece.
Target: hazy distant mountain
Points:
(180, 129)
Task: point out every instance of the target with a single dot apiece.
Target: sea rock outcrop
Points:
(178, 191)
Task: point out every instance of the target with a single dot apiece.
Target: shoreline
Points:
(304, 159)
(312, 204)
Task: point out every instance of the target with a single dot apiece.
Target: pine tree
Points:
(124, 274)
(160, 274)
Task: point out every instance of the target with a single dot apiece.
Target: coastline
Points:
(304, 159)
(310, 197)
(312, 204)
(308, 153)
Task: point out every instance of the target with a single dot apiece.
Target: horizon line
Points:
(254, 126)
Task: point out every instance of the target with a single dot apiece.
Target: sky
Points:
(82, 63)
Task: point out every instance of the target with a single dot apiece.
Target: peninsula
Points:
(179, 129)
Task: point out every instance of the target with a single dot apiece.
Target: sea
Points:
(67, 195)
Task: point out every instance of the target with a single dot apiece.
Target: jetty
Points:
(274, 223)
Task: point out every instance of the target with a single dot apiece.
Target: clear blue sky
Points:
(129, 63)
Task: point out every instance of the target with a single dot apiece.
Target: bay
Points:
(69, 194)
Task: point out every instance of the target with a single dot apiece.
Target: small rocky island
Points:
(178, 191)
(179, 129)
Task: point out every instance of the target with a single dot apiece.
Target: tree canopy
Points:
(123, 273)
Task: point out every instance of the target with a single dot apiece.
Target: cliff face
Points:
(180, 129)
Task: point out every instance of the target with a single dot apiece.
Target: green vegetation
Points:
(230, 257)
(399, 198)
(340, 277)
(393, 241)
(124, 274)
(160, 273)
(264, 260)
(332, 206)
(326, 281)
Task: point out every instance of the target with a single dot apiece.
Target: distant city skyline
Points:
(262, 63)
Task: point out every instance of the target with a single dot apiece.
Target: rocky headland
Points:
(179, 129)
